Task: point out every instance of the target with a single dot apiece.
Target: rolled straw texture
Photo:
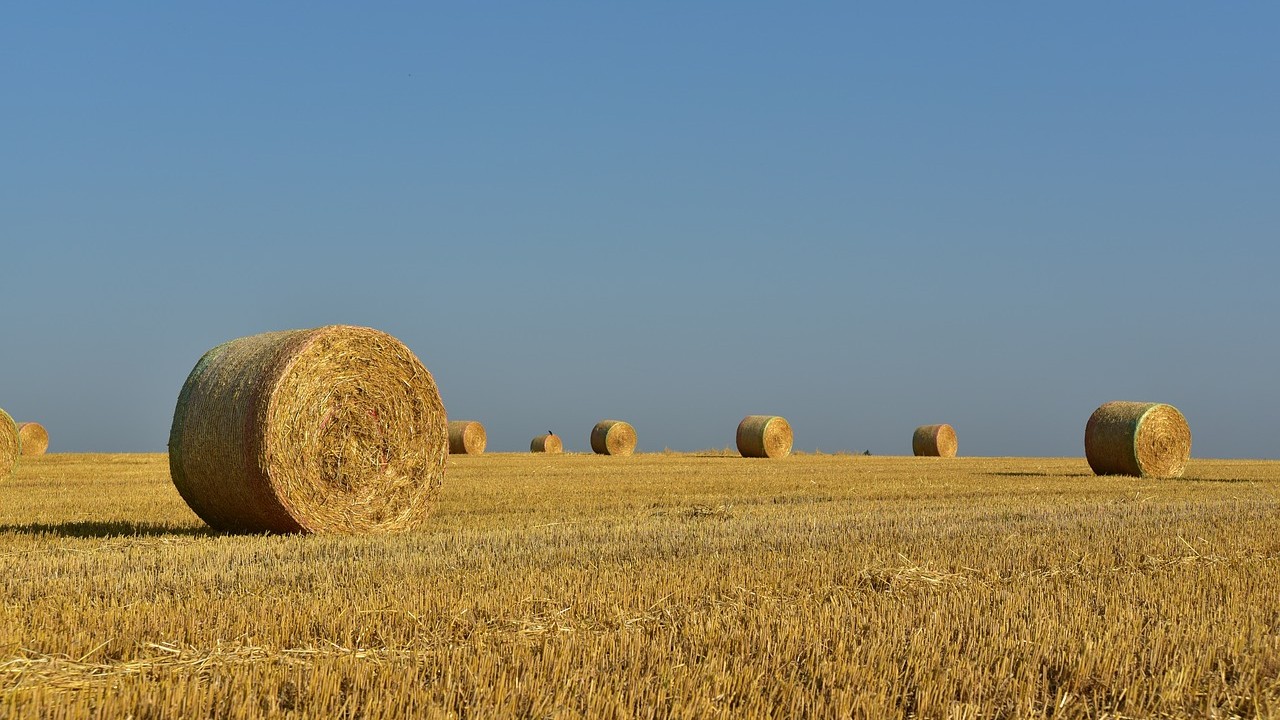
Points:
(10, 445)
(613, 437)
(33, 438)
(547, 443)
(764, 436)
(335, 429)
(466, 437)
(1137, 438)
(934, 441)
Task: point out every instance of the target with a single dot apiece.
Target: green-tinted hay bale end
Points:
(1137, 438)
(764, 436)
(334, 429)
(10, 445)
(466, 437)
(613, 437)
(934, 441)
(33, 438)
(547, 443)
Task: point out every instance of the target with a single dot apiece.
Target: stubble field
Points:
(660, 585)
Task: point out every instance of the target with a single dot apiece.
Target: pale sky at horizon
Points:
(864, 218)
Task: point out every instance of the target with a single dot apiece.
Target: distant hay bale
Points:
(334, 429)
(33, 438)
(613, 437)
(764, 436)
(1137, 438)
(547, 443)
(466, 437)
(934, 441)
(10, 445)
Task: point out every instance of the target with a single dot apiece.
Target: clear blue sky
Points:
(863, 217)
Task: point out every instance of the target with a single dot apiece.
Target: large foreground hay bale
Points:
(934, 441)
(334, 429)
(613, 437)
(466, 437)
(33, 438)
(1137, 438)
(548, 443)
(764, 436)
(10, 445)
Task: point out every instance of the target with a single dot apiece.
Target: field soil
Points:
(657, 585)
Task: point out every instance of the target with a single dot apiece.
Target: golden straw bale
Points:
(934, 441)
(764, 436)
(34, 438)
(1137, 438)
(10, 445)
(548, 443)
(466, 437)
(613, 437)
(334, 429)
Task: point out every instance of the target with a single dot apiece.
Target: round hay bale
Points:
(1137, 438)
(10, 445)
(547, 443)
(33, 438)
(466, 437)
(335, 429)
(613, 437)
(934, 441)
(764, 436)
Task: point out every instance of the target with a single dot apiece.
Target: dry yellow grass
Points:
(668, 586)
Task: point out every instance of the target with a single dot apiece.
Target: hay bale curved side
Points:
(764, 436)
(613, 437)
(33, 438)
(10, 445)
(934, 441)
(1137, 438)
(547, 443)
(333, 429)
(467, 437)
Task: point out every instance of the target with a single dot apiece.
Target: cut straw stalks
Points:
(764, 436)
(1137, 438)
(33, 438)
(466, 437)
(548, 443)
(10, 445)
(613, 437)
(337, 429)
(934, 441)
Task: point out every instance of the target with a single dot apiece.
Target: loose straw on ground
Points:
(466, 437)
(33, 438)
(934, 441)
(335, 429)
(10, 445)
(613, 437)
(764, 436)
(548, 443)
(1137, 438)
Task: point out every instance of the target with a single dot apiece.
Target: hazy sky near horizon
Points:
(864, 217)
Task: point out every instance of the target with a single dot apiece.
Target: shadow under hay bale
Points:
(934, 441)
(33, 438)
(613, 437)
(466, 437)
(764, 436)
(335, 429)
(547, 443)
(1137, 438)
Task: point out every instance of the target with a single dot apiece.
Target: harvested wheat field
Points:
(669, 586)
